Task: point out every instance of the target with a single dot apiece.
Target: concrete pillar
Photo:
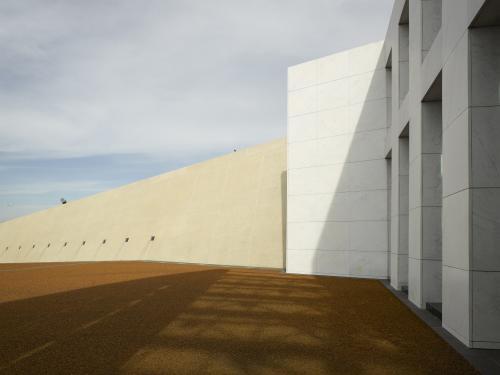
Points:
(484, 183)
(456, 168)
(400, 88)
(425, 209)
(399, 256)
(395, 257)
(471, 183)
(424, 248)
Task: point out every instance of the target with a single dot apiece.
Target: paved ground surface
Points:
(151, 318)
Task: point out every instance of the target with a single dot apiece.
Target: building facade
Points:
(394, 163)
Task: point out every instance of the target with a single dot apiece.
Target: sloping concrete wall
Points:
(225, 211)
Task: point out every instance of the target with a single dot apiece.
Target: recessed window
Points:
(103, 241)
(127, 239)
(404, 53)
(431, 23)
(152, 238)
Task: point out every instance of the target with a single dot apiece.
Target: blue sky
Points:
(99, 93)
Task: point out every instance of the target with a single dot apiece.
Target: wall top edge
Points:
(380, 44)
(279, 143)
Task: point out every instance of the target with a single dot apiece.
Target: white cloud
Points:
(86, 77)
(97, 93)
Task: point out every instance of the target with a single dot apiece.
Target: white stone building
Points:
(394, 162)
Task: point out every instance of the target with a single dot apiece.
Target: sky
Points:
(96, 94)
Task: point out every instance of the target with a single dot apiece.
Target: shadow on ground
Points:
(216, 320)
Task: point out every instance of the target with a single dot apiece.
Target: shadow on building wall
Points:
(355, 236)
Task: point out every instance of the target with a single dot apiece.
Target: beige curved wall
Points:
(225, 211)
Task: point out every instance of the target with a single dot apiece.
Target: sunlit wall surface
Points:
(225, 211)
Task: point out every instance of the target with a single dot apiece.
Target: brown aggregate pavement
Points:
(153, 318)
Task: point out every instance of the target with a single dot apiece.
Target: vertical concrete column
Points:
(404, 184)
(388, 140)
(399, 256)
(424, 284)
(456, 195)
(484, 186)
(471, 182)
(394, 221)
(415, 156)
(400, 86)
(425, 209)
(389, 214)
